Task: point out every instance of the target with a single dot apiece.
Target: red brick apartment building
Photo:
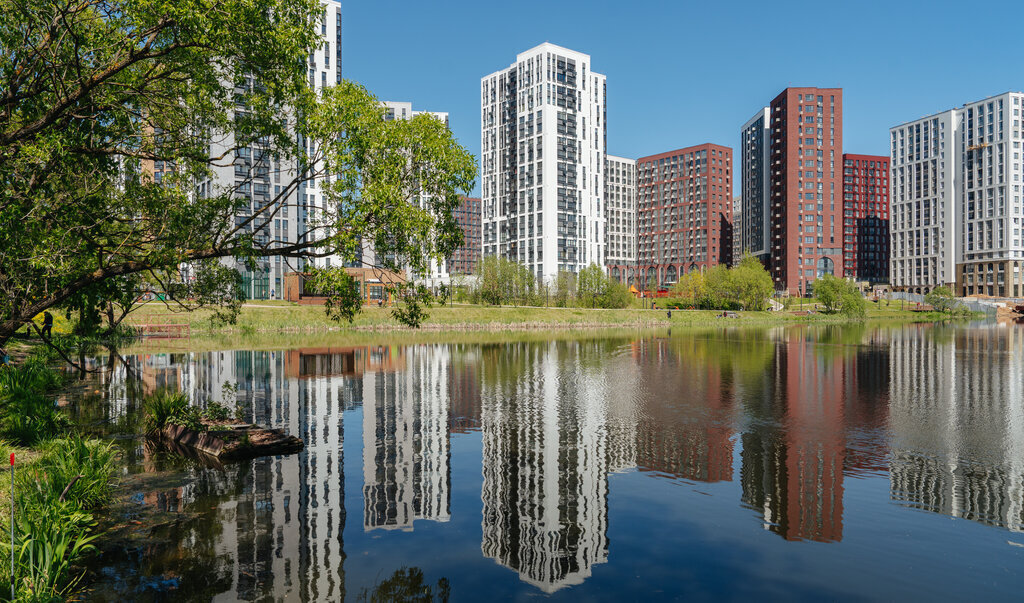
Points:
(465, 258)
(685, 212)
(866, 217)
(805, 198)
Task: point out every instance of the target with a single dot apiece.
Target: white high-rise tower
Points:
(543, 144)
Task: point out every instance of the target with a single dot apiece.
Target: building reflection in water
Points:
(957, 405)
(684, 423)
(405, 442)
(796, 410)
(793, 453)
(545, 461)
(276, 527)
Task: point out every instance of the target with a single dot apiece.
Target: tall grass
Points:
(46, 545)
(86, 465)
(28, 414)
(54, 524)
(56, 494)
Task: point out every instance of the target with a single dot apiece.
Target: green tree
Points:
(942, 299)
(752, 285)
(98, 93)
(720, 293)
(501, 281)
(840, 295)
(829, 291)
(590, 285)
(853, 305)
(692, 287)
(615, 295)
(565, 288)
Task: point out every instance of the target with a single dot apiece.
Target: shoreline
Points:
(284, 318)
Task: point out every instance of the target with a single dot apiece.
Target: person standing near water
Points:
(47, 324)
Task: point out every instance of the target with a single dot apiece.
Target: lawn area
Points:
(283, 317)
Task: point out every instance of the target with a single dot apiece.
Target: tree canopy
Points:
(839, 295)
(941, 298)
(96, 96)
(747, 286)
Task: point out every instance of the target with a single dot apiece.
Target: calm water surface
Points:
(796, 463)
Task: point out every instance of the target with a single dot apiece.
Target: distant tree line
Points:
(503, 282)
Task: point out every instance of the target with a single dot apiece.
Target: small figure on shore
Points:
(654, 305)
(670, 313)
(5, 359)
(47, 324)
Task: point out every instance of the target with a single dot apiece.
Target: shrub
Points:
(941, 298)
(834, 293)
(748, 286)
(217, 411)
(168, 407)
(852, 305)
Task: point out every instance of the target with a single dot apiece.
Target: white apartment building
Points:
(255, 174)
(956, 208)
(755, 197)
(924, 202)
(620, 203)
(543, 142)
(992, 254)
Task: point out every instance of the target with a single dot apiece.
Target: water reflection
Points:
(958, 424)
(405, 442)
(781, 418)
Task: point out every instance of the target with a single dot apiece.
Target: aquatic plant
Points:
(53, 524)
(217, 411)
(169, 407)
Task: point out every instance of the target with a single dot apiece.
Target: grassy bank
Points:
(283, 317)
(61, 479)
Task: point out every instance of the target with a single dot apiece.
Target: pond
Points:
(790, 462)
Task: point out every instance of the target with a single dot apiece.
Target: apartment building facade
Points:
(737, 231)
(543, 147)
(992, 248)
(802, 165)
(924, 202)
(685, 212)
(466, 257)
(755, 208)
(956, 200)
(255, 174)
(866, 217)
(620, 218)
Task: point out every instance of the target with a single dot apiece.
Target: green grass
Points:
(25, 459)
(283, 317)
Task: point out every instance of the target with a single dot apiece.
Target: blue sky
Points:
(683, 73)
